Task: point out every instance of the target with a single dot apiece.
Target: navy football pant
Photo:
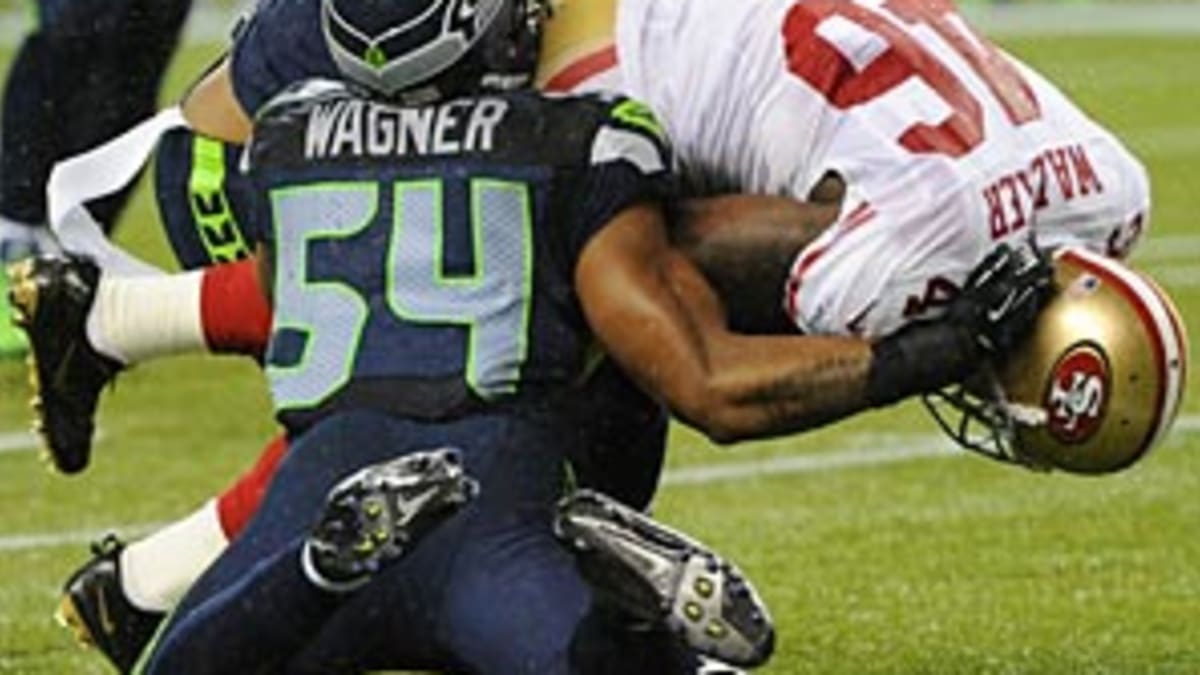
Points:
(489, 591)
(89, 70)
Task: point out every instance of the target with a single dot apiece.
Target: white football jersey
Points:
(947, 145)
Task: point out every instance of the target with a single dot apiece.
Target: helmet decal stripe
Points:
(1179, 338)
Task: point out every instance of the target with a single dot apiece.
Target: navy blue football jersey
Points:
(424, 256)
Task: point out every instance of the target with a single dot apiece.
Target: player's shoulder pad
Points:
(300, 97)
(278, 120)
(630, 132)
(604, 129)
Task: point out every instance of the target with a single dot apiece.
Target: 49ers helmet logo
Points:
(1078, 393)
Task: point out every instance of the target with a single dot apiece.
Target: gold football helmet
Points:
(1093, 389)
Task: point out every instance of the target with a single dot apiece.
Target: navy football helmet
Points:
(424, 50)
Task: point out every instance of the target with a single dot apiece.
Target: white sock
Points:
(158, 570)
(139, 318)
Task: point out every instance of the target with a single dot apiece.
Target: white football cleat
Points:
(657, 574)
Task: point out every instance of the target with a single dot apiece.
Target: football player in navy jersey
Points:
(425, 265)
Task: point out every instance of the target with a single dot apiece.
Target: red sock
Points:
(233, 310)
(238, 503)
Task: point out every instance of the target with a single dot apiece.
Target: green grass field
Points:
(913, 562)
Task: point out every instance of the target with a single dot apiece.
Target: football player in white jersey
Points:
(910, 145)
(936, 144)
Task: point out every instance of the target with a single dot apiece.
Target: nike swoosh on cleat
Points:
(409, 509)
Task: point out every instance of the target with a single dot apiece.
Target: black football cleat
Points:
(51, 297)
(379, 513)
(656, 574)
(96, 610)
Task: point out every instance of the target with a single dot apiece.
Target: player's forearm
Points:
(762, 386)
(768, 386)
(211, 108)
(754, 386)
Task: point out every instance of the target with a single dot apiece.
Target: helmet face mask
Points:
(1092, 390)
(421, 50)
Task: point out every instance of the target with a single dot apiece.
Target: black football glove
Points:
(1002, 297)
(998, 305)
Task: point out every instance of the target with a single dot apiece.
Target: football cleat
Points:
(51, 297)
(96, 610)
(656, 574)
(379, 513)
(18, 241)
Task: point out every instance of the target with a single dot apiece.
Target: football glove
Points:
(998, 305)
(1002, 296)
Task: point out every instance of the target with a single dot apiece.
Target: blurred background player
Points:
(84, 73)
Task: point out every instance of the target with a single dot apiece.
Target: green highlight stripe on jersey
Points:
(216, 225)
(637, 115)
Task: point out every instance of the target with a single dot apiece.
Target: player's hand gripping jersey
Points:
(946, 144)
(434, 247)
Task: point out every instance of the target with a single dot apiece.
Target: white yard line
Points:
(1173, 141)
(1167, 247)
(865, 450)
(21, 542)
(1173, 260)
(13, 441)
(1085, 19)
(1176, 276)
(862, 452)
(25, 441)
